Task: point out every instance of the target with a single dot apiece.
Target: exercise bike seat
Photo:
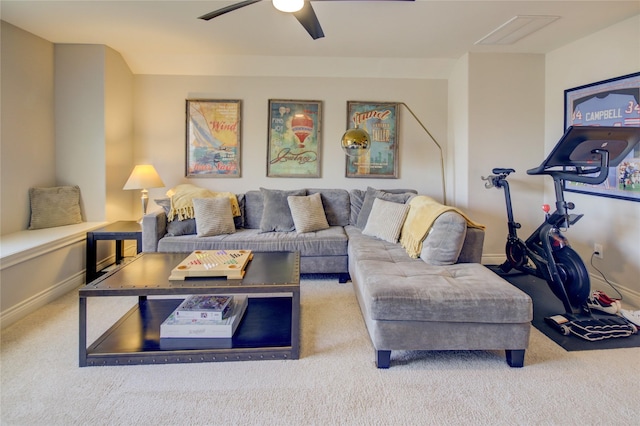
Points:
(500, 171)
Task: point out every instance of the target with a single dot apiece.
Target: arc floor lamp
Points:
(356, 142)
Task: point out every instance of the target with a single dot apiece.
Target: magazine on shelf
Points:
(199, 328)
(204, 306)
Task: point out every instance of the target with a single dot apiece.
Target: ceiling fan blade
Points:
(227, 9)
(307, 17)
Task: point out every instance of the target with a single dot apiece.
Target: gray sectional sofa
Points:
(407, 303)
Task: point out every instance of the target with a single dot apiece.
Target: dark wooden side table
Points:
(118, 232)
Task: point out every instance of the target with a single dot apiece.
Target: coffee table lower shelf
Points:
(264, 333)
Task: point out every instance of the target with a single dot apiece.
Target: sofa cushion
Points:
(307, 213)
(55, 206)
(213, 216)
(388, 195)
(276, 215)
(444, 241)
(336, 203)
(386, 220)
(327, 242)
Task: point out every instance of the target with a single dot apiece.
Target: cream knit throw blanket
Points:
(182, 200)
(423, 212)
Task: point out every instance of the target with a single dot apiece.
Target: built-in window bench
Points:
(38, 266)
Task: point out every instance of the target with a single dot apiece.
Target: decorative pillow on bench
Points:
(56, 206)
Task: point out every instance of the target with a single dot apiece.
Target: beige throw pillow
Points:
(307, 213)
(385, 220)
(213, 216)
(56, 206)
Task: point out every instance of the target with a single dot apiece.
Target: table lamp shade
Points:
(142, 177)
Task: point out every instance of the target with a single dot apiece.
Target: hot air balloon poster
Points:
(213, 138)
(380, 120)
(294, 138)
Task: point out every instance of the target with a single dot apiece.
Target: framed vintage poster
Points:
(213, 138)
(380, 120)
(294, 145)
(612, 102)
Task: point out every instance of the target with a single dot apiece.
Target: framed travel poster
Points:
(213, 138)
(611, 102)
(380, 120)
(294, 138)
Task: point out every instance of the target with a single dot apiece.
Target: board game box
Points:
(213, 263)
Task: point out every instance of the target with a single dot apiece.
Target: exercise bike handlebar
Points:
(578, 173)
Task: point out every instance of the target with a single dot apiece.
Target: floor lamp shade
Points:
(142, 177)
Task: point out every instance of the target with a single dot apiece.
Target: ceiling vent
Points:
(516, 28)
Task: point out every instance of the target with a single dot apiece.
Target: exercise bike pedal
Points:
(573, 218)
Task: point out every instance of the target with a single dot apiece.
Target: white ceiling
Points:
(158, 37)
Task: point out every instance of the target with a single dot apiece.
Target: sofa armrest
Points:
(154, 227)
(472, 247)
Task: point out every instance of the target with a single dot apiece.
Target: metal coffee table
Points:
(270, 328)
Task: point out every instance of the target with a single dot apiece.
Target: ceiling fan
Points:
(301, 9)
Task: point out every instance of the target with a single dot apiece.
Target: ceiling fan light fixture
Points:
(288, 5)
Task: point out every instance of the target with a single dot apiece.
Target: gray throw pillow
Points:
(386, 220)
(276, 215)
(307, 213)
(56, 206)
(176, 227)
(371, 195)
(213, 216)
(444, 241)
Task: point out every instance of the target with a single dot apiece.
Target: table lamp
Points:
(142, 177)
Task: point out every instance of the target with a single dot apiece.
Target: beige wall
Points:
(119, 142)
(160, 127)
(506, 129)
(27, 140)
(613, 223)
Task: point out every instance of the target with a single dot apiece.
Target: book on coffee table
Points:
(204, 306)
(174, 327)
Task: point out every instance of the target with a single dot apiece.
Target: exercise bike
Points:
(583, 154)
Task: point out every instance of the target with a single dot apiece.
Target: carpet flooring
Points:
(335, 381)
(546, 304)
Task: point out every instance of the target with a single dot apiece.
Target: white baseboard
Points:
(39, 300)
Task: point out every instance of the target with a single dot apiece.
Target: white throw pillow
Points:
(385, 220)
(307, 213)
(213, 216)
